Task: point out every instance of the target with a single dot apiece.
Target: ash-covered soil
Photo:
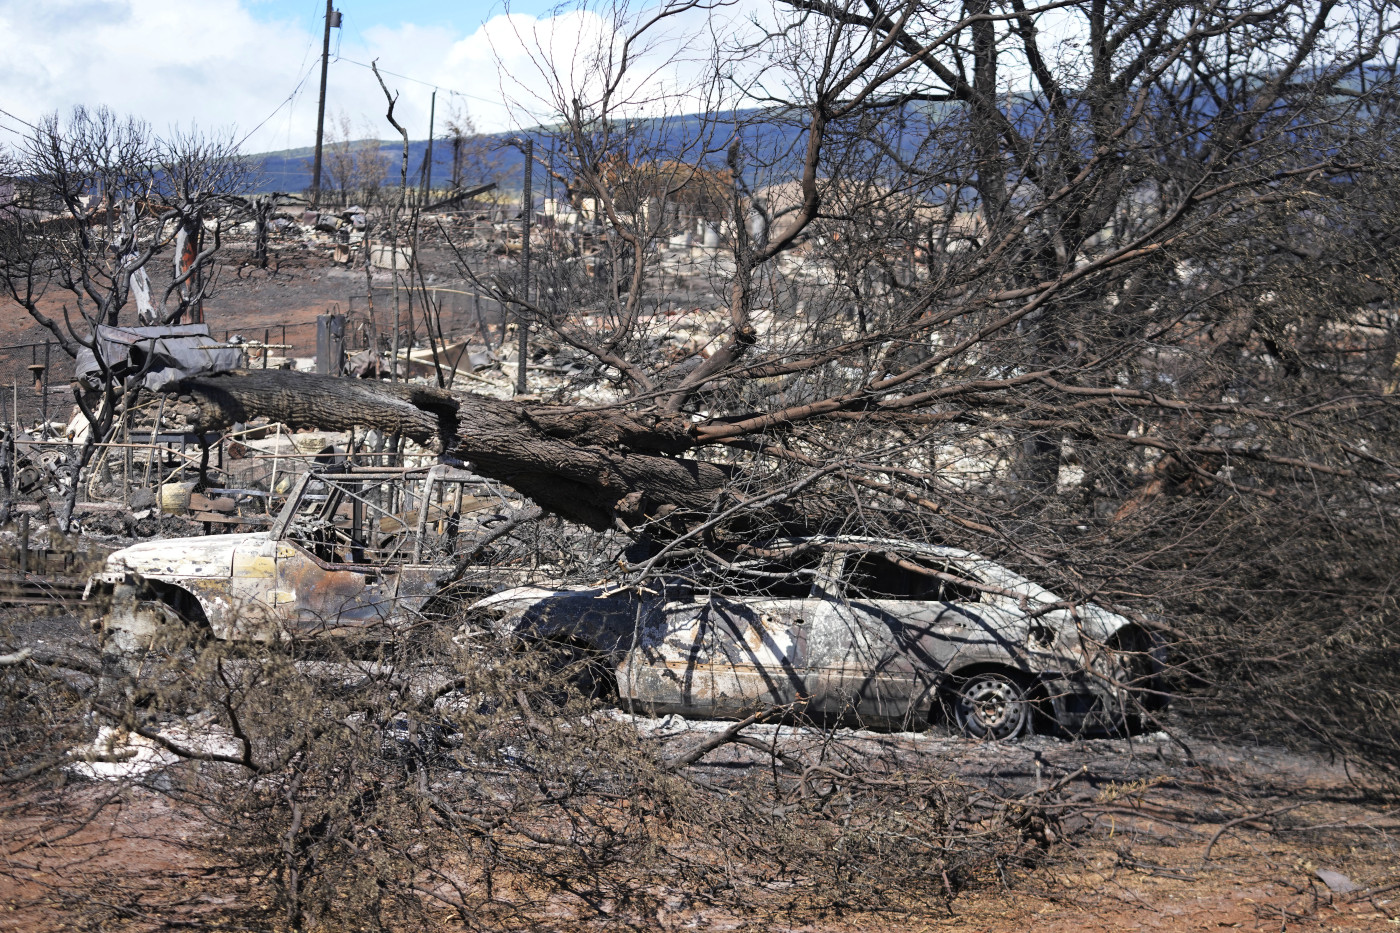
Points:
(57, 630)
(1321, 852)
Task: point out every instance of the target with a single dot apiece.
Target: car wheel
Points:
(991, 706)
(586, 670)
(1138, 660)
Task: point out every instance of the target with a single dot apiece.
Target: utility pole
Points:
(528, 205)
(332, 19)
(428, 159)
(549, 178)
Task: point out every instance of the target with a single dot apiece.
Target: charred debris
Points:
(186, 429)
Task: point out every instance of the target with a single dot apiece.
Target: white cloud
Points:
(214, 63)
(207, 62)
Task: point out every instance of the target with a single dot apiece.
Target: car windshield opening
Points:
(784, 576)
(879, 575)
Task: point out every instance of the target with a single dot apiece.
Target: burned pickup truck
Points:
(349, 550)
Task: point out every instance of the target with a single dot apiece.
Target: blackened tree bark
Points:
(303, 400)
(598, 468)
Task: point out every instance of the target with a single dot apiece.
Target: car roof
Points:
(893, 544)
(1008, 576)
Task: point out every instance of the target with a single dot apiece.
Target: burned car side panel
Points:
(884, 658)
(347, 551)
(326, 597)
(726, 656)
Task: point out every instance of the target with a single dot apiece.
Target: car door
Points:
(757, 659)
(336, 568)
(731, 650)
(883, 640)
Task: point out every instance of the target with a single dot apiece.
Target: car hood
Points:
(586, 615)
(1099, 623)
(181, 557)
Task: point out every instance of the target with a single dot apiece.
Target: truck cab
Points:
(348, 550)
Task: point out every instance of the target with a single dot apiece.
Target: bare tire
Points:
(991, 706)
(586, 669)
(1140, 662)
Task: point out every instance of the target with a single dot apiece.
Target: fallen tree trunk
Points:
(596, 467)
(298, 400)
(556, 459)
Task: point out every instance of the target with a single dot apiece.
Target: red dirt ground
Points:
(1128, 873)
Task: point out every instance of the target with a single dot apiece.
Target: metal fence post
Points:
(23, 543)
(44, 388)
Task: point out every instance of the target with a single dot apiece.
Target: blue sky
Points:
(250, 68)
(460, 15)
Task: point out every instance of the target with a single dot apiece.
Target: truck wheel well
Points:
(180, 601)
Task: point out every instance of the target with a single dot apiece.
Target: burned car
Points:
(880, 632)
(348, 550)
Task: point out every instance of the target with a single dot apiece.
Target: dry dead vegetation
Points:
(450, 783)
(1130, 331)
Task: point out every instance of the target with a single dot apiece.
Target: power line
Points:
(290, 97)
(385, 71)
(18, 119)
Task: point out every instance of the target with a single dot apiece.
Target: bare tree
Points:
(110, 196)
(474, 158)
(356, 168)
(105, 198)
(1091, 305)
